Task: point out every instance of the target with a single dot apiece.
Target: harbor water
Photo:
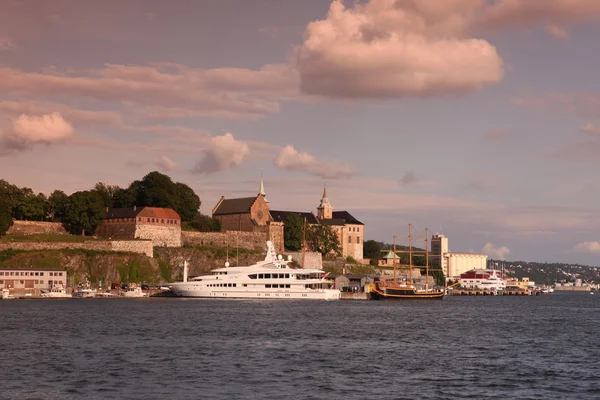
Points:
(539, 347)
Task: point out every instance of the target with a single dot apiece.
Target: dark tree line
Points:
(82, 212)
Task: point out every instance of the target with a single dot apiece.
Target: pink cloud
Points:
(6, 44)
(590, 129)
(557, 31)
(166, 164)
(223, 153)
(497, 253)
(587, 247)
(291, 159)
(28, 131)
(386, 48)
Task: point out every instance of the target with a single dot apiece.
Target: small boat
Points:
(132, 291)
(56, 292)
(84, 293)
(5, 294)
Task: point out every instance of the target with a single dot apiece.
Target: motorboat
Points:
(55, 292)
(272, 279)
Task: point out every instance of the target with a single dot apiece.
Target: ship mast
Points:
(395, 274)
(426, 259)
(304, 242)
(410, 253)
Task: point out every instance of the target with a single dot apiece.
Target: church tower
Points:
(262, 188)
(325, 211)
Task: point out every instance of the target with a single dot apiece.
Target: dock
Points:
(490, 292)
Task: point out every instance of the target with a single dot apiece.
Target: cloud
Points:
(497, 253)
(576, 103)
(164, 90)
(590, 129)
(525, 13)
(498, 134)
(557, 31)
(27, 131)
(165, 164)
(408, 178)
(292, 160)
(133, 163)
(587, 247)
(6, 44)
(387, 48)
(223, 153)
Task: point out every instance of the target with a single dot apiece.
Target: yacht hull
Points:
(405, 294)
(317, 294)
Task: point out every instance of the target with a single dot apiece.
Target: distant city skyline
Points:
(476, 119)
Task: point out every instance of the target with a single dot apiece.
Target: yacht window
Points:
(268, 286)
(260, 276)
(287, 286)
(235, 285)
(287, 275)
(267, 276)
(245, 285)
(252, 276)
(229, 285)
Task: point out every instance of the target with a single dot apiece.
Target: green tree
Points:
(107, 193)
(324, 239)
(6, 220)
(57, 205)
(157, 190)
(293, 232)
(126, 198)
(31, 207)
(372, 249)
(204, 223)
(188, 202)
(11, 193)
(84, 212)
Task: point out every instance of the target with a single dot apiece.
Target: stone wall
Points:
(236, 222)
(131, 246)
(35, 228)
(161, 235)
(311, 259)
(117, 231)
(243, 240)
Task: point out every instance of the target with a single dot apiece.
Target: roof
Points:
(234, 206)
(280, 216)
(390, 254)
(158, 212)
(31, 269)
(333, 221)
(345, 215)
(133, 212)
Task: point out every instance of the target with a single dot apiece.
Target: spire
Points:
(324, 190)
(324, 210)
(262, 187)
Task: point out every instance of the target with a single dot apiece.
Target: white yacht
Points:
(268, 279)
(132, 291)
(55, 292)
(84, 293)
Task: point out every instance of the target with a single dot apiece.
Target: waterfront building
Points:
(439, 249)
(160, 225)
(31, 278)
(458, 263)
(483, 279)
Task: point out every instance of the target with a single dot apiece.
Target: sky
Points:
(477, 119)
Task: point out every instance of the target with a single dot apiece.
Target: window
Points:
(41, 282)
(253, 276)
(358, 240)
(287, 275)
(260, 276)
(1, 282)
(349, 239)
(267, 276)
(162, 220)
(268, 286)
(287, 286)
(1, 273)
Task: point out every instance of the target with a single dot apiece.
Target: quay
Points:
(355, 296)
(491, 292)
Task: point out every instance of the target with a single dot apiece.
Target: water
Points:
(542, 347)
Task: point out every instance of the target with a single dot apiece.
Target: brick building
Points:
(249, 214)
(160, 225)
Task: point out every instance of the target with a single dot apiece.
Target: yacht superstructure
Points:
(271, 278)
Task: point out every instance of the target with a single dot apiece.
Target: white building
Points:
(459, 263)
(29, 278)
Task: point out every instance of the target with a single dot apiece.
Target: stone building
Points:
(160, 225)
(249, 214)
(350, 231)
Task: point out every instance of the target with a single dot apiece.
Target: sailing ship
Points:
(406, 290)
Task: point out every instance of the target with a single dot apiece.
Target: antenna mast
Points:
(304, 242)
(410, 252)
(426, 259)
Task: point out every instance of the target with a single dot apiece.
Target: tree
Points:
(324, 239)
(6, 220)
(84, 212)
(57, 205)
(157, 190)
(31, 207)
(293, 232)
(188, 202)
(372, 249)
(204, 223)
(11, 193)
(126, 198)
(106, 192)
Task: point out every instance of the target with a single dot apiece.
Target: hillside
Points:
(548, 273)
